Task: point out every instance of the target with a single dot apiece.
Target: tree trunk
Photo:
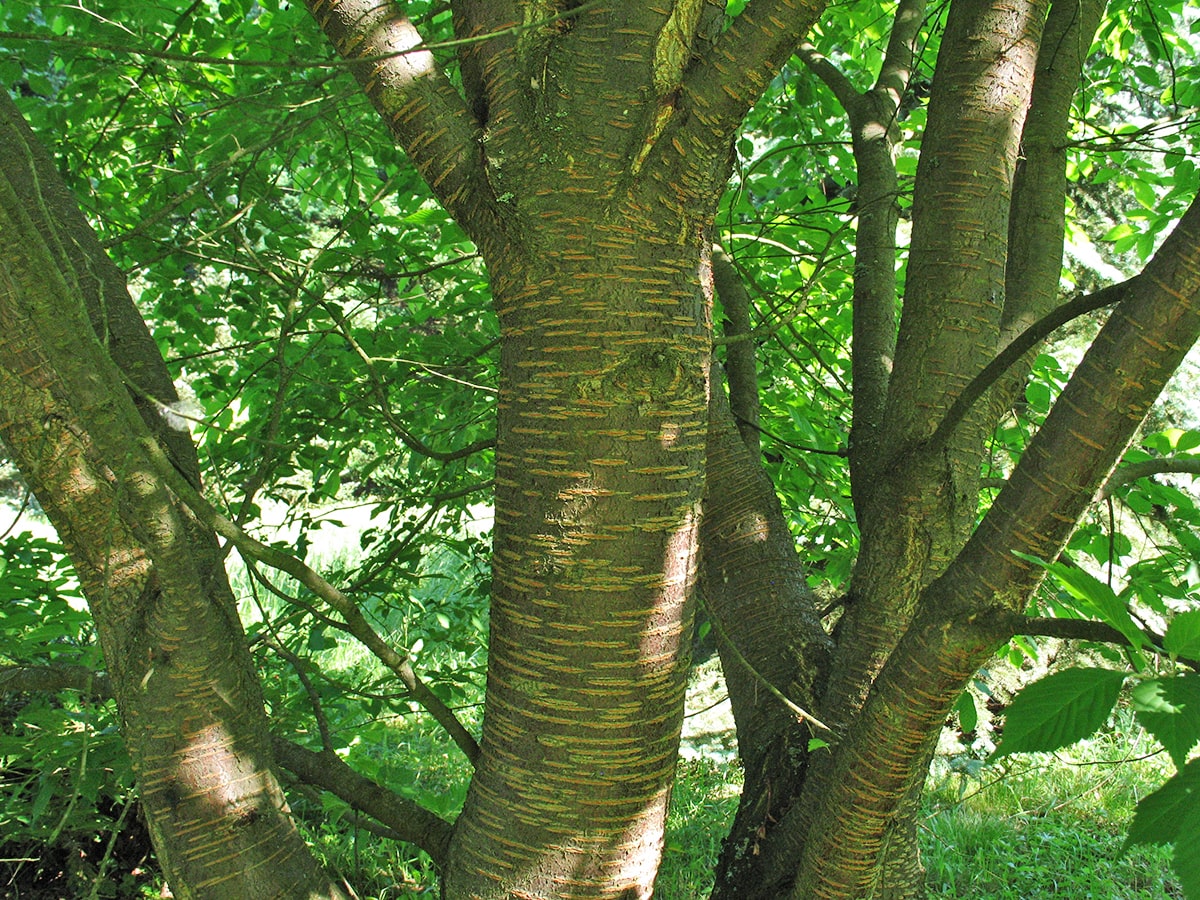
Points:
(584, 155)
(773, 648)
(187, 693)
(599, 472)
(596, 146)
(917, 505)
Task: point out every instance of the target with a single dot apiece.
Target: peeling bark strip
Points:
(186, 691)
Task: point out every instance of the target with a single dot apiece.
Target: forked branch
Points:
(1018, 347)
(736, 68)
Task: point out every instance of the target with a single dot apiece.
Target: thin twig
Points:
(355, 622)
(796, 710)
(1018, 347)
(198, 59)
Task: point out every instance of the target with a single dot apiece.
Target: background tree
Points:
(581, 155)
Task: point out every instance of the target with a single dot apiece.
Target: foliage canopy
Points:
(334, 337)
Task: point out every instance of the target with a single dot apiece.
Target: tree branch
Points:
(417, 102)
(1084, 630)
(741, 369)
(872, 118)
(379, 389)
(1141, 344)
(356, 622)
(731, 75)
(1019, 346)
(1038, 208)
(833, 77)
(408, 820)
(51, 679)
(1128, 473)
(954, 288)
(1068, 629)
(314, 697)
(728, 644)
(896, 72)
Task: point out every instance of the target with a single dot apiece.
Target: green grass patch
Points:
(1046, 825)
(702, 807)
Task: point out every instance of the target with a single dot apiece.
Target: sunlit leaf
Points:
(1097, 598)
(1169, 708)
(1059, 710)
(1183, 634)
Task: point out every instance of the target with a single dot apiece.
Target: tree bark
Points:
(186, 691)
(769, 636)
(915, 508)
(585, 155)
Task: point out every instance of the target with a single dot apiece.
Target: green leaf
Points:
(1187, 440)
(1096, 598)
(42, 800)
(1183, 634)
(1186, 863)
(1169, 708)
(1038, 396)
(1171, 814)
(968, 715)
(1059, 710)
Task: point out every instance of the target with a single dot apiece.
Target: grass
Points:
(1046, 826)
(1027, 828)
(702, 807)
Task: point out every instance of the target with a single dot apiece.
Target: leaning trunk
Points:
(186, 691)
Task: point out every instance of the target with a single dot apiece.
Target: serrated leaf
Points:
(1186, 863)
(1059, 710)
(1169, 708)
(1170, 814)
(1183, 634)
